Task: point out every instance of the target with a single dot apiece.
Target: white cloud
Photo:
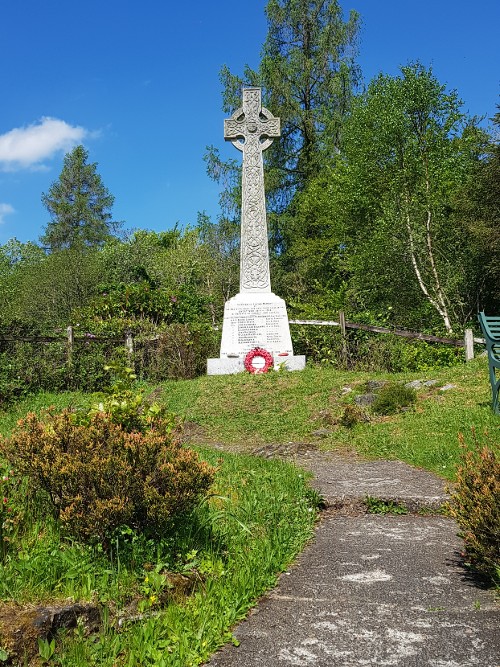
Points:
(5, 209)
(27, 147)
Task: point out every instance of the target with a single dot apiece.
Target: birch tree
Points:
(407, 149)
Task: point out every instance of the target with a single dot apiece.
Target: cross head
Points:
(251, 123)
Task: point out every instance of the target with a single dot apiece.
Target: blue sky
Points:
(137, 83)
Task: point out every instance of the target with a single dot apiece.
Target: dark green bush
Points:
(180, 352)
(475, 502)
(363, 350)
(391, 398)
(99, 477)
(28, 367)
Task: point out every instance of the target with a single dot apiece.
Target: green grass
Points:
(39, 402)
(259, 517)
(287, 407)
(252, 410)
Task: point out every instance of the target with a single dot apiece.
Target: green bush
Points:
(475, 502)
(127, 405)
(180, 352)
(98, 477)
(352, 415)
(391, 398)
(27, 367)
(363, 350)
(322, 345)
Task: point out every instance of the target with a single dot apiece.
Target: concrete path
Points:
(373, 590)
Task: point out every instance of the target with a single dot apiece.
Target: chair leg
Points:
(495, 390)
(496, 398)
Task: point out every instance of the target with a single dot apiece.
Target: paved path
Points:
(373, 590)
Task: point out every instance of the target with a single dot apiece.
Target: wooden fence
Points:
(70, 339)
(467, 342)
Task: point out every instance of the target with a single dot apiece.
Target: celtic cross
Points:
(251, 129)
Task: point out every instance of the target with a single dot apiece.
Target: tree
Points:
(16, 259)
(308, 76)
(79, 205)
(48, 292)
(391, 227)
(409, 148)
(479, 209)
(219, 245)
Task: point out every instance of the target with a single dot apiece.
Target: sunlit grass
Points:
(252, 410)
(289, 407)
(257, 519)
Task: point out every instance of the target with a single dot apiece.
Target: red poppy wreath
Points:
(258, 352)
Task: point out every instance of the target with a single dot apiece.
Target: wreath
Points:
(258, 352)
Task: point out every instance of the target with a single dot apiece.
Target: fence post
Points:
(69, 347)
(469, 344)
(129, 346)
(344, 338)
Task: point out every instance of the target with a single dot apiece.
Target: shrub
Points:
(99, 477)
(352, 415)
(180, 352)
(392, 398)
(363, 350)
(475, 502)
(27, 367)
(7, 484)
(126, 405)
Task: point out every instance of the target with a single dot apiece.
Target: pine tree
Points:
(79, 205)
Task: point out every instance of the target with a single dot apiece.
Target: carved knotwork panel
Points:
(251, 130)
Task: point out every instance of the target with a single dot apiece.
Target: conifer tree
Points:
(79, 205)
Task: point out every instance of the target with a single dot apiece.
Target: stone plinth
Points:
(253, 319)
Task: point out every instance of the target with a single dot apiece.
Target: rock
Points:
(373, 385)
(365, 399)
(21, 628)
(415, 384)
(284, 450)
(322, 433)
(446, 387)
(346, 390)
(418, 384)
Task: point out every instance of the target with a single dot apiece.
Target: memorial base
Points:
(255, 320)
(221, 366)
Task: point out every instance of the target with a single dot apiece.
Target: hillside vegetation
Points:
(244, 412)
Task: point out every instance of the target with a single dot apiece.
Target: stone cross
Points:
(251, 129)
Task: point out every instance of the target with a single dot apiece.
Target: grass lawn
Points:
(254, 410)
(259, 516)
(257, 520)
(251, 410)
